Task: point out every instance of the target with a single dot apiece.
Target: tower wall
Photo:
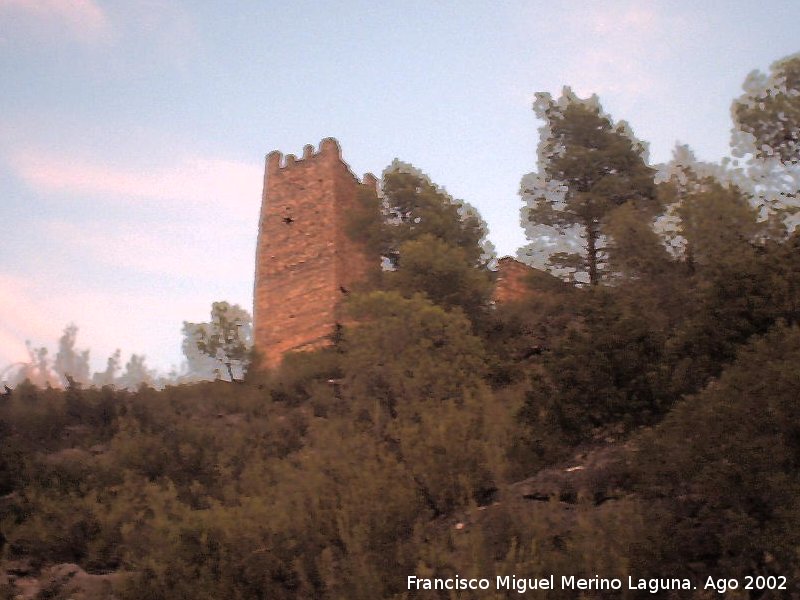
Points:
(305, 262)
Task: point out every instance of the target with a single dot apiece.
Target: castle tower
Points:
(305, 262)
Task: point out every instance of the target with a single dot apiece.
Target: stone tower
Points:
(305, 262)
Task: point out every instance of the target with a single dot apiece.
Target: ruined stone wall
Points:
(512, 281)
(517, 282)
(305, 262)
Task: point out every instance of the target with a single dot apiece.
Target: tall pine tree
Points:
(588, 168)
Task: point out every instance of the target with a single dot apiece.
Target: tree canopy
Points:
(431, 243)
(769, 112)
(767, 130)
(588, 168)
(415, 206)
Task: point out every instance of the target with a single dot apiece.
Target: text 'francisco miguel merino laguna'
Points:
(524, 584)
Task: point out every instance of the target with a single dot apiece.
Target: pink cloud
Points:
(23, 318)
(632, 51)
(148, 322)
(192, 249)
(234, 187)
(632, 19)
(197, 240)
(84, 19)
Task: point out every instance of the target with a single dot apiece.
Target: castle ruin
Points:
(305, 261)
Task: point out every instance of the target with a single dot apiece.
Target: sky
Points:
(133, 133)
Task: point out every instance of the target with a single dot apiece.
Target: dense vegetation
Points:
(634, 414)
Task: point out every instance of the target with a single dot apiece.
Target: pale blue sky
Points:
(132, 134)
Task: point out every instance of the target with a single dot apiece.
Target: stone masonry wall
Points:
(512, 281)
(305, 262)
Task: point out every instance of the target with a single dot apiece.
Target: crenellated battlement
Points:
(279, 164)
(329, 149)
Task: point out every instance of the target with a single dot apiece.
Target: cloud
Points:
(83, 19)
(134, 252)
(145, 322)
(632, 18)
(230, 186)
(20, 320)
(201, 250)
(619, 57)
(164, 30)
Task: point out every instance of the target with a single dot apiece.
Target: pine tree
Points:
(588, 168)
(766, 133)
